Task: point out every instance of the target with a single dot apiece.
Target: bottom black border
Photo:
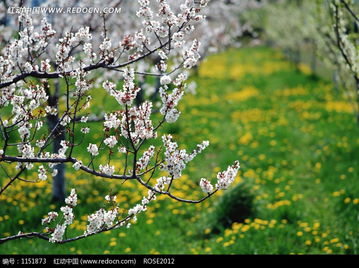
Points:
(181, 260)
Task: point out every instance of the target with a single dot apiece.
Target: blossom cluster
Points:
(144, 161)
(129, 90)
(170, 101)
(136, 124)
(175, 160)
(100, 219)
(226, 178)
(68, 217)
(107, 219)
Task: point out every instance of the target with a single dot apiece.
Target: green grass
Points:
(298, 145)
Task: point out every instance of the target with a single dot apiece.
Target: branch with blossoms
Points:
(26, 81)
(218, 31)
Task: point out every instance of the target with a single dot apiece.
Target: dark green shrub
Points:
(235, 205)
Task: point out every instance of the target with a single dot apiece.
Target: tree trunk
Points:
(157, 85)
(157, 90)
(314, 58)
(58, 184)
(297, 59)
(195, 71)
(336, 81)
(140, 96)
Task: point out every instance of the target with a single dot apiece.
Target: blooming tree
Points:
(29, 69)
(346, 40)
(329, 28)
(291, 26)
(220, 29)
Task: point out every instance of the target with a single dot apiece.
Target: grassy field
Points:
(297, 192)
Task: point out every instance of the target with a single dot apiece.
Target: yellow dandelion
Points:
(122, 234)
(219, 239)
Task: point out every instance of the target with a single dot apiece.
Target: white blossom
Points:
(24, 131)
(109, 217)
(58, 233)
(100, 219)
(176, 160)
(111, 121)
(42, 173)
(77, 165)
(206, 186)
(172, 115)
(143, 162)
(85, 130)
(107, 169)
(84, 119)
(92, 149)
(226, 178)
(162, 55)
(110, 141)
(65, 120)
(122, 149)
(165, 80)
(68, 214)
(111, 198)
(54, 172)
(71, 200)
(51, 216)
